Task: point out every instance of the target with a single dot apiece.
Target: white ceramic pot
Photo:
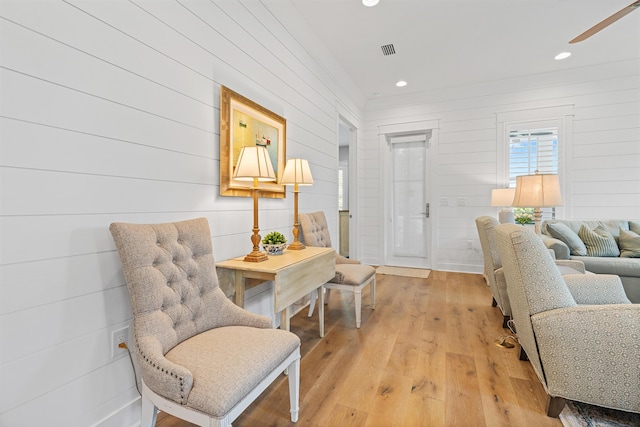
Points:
(274, 249)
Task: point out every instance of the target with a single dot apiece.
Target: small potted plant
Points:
(524, 218)
(274, 243)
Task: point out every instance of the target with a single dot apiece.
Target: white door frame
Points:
(384, 131)
(352, 184)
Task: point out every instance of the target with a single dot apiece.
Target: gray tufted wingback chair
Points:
(580, 332)
(202, 358)
(351, 275)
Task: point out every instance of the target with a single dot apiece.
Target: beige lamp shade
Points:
(297, 171)
(539, 191)
(502, 196)
(254, 163)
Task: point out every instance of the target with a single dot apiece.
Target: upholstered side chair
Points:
(351, 275)
(202, 358)
(580, 332)
(492, 263)
(493, 266)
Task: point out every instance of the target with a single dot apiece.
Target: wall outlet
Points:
(462, 202)
(120, 335)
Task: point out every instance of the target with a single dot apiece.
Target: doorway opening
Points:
(346, 178)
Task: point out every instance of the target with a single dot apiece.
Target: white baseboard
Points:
(370, 261)
(460, 268)
(127, 415)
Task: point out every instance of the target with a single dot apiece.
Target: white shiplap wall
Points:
(110, 112)
(601, 165)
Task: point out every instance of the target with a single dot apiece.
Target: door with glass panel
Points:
(408, 201)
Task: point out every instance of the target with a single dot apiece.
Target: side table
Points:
(294, 275)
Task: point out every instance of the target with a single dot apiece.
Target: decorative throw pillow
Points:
(599, 241)
(629, 244)
(562, 232)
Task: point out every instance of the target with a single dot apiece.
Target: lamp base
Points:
(256, 256)
(537, 220)
(296, 246)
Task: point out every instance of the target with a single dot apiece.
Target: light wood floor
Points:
(426, 356)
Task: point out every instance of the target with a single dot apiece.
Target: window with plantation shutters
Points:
(534, 139)
(531, 150)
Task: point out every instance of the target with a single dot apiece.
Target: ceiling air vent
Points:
(388, 49)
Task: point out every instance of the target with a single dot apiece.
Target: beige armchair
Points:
(580, 332)
(493, 266)
(350, 276)
(202, 358)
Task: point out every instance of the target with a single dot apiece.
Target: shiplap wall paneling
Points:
(369, 213)
(110, 112)
(466, 167)
(608, 137)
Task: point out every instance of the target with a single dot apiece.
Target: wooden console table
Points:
(294, 275)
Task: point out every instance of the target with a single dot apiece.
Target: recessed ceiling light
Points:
(370, 3)
(562, 55)
(401, 83)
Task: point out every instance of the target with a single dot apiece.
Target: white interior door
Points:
(408, 201)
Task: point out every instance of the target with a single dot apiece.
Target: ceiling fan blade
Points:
(605, 23)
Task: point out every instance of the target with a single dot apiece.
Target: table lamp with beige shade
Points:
(537, 191)
(296, 172)
(254, 164)
(503, 197)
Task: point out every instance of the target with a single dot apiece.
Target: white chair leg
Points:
(294, 389)
(373, 293)
(312, 302)
(149, 413)
(357, 296)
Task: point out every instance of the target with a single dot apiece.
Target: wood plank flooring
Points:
(426, 356)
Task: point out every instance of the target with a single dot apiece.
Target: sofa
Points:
(609, 246)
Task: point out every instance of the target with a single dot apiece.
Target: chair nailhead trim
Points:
(164, 371)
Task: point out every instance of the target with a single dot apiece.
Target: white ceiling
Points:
(448, 43)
